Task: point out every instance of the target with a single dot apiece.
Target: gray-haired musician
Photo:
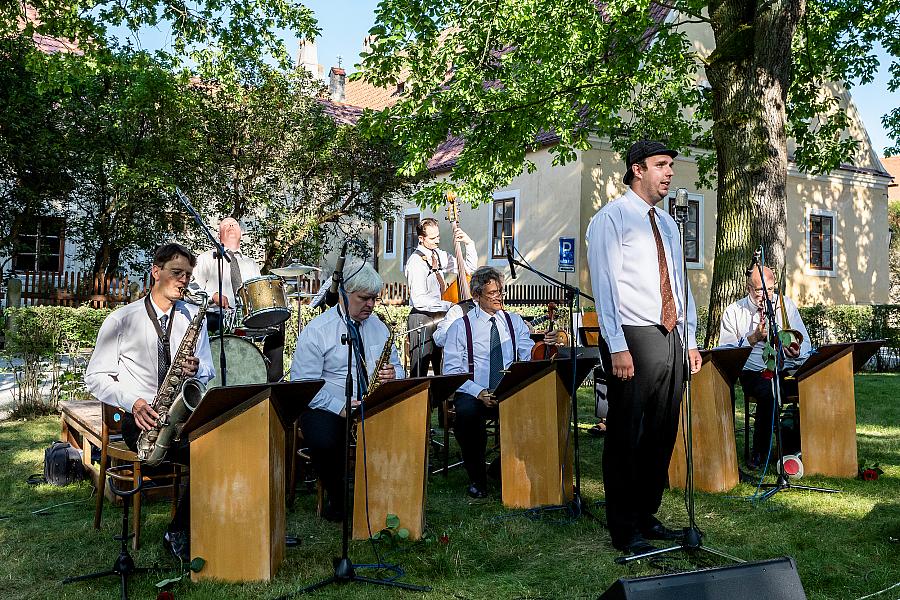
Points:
(320, 354)
(482, 343)
(425, 271)
(240, 268)
(131, 357)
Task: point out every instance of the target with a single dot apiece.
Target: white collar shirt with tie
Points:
(321, 355)
(424, 287)
(456, 356)
(741, 319)
(206, 275)
(624, 269)
(124, 364)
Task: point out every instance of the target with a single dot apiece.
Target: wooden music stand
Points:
(536, 457)
(715, 456)
(237, 437)
(392, 458)
(828, 407)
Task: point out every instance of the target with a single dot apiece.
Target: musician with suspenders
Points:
(425, 271)
(482, 343)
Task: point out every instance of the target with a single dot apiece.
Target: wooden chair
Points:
(301, 464)
(449, 413)
(114, 449)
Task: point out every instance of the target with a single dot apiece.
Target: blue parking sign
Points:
(566, 255)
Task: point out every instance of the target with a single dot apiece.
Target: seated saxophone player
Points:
(482, 343)
(321, 354)
(132, 356)
(744, 324)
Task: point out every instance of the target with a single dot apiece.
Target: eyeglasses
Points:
(495, 294)
(179, 273)
(769, 290)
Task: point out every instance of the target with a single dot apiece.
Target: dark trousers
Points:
(324, 433)
(640, 429)
(273, 346)
(423, 352)
(754, 384)
(181, 520)
(471, 434)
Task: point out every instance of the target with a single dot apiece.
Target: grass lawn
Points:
(845, 544)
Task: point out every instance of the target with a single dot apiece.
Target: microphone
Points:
(509, 258)
(681, 205)
(331, 296)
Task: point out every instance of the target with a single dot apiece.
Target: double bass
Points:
(458, 290)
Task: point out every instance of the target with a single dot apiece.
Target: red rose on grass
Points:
(767, 374)
(870, 475)
(445, 539)
(165, 596)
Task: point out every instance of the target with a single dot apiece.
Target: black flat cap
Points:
(641, 150)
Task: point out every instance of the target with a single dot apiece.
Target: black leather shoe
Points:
(476, 492)
(333, 513)
(638, 545)
(178, 544)
(658, 531)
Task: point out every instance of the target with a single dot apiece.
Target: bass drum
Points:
(244, 363)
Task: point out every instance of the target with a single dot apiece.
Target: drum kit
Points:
(261, 306)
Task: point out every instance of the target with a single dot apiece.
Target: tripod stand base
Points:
(692, 542)
(123, 568)
(784, 484)
(345, 572)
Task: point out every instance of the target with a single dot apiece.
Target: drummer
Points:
(241, 268)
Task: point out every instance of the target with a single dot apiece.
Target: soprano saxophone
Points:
(382, 359)
(177, 396)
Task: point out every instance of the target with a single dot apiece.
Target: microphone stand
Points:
(692, 539)
(782, 482)
(577, 505)
(344, 569)
(219, 255)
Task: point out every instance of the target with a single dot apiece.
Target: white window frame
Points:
(407, 212)
(821, 212)
(384, 252)
(517, 232)
(701, 237)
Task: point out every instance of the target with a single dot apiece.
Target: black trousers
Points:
(273, 346)
(641, 427)
(181, 520)
(423, 352)
(471, 435)
(325, 434)
(754, 384)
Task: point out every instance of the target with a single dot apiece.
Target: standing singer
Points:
(635, 259)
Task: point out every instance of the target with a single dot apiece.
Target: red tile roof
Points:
(44, 43)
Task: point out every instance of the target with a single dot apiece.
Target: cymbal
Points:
(295, 270)
(299, 295)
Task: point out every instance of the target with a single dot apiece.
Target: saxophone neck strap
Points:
(166, 335)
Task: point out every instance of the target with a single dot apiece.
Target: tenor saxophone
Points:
(177, 396)
(382, 359)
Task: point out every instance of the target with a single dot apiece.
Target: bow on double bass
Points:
(458, 290)
(543, 350)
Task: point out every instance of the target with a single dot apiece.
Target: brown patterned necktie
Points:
(665, 287)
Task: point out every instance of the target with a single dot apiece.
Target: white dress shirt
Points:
(624, 269)
(456, 355)
(321, 355)
(125, 361)
(740, 320)
(424, 287)
(440, 334)
(206, 275)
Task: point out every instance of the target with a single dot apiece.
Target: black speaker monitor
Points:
(775, 579)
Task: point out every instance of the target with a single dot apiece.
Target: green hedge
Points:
(48, 330)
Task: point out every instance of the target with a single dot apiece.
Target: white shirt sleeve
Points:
(605, 260)
(102, 373)
(524, 343)
(309, 363)
(420, 296)
(440, 334)
(730, 335)
(456, 357)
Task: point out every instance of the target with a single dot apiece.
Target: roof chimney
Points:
(336, 78)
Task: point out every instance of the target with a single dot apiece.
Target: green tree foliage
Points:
(500, 72)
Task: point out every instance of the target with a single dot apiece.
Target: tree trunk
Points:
(750, 74)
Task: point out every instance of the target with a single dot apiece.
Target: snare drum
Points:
(244, 363)
(263, 302)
